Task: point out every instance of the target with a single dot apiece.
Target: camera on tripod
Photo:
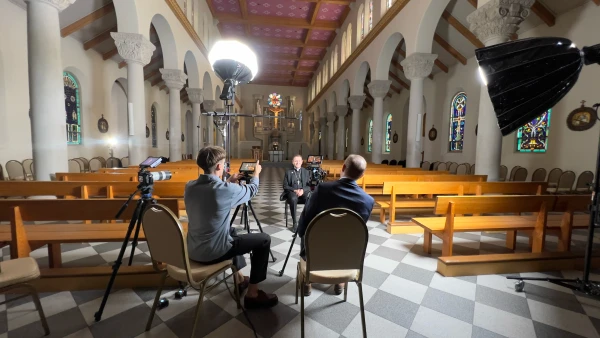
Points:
(247, 169)
(147, 178)
(317, 174)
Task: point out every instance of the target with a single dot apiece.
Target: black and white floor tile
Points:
(404, 296)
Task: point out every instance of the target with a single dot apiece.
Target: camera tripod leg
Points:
(117, 264)
(259, 226)
(288, 254)
(135, 237)
(234, 215)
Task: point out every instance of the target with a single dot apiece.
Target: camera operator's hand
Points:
(257, 169)
(234, 178)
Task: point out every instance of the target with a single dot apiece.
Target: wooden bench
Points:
(451, 206)
(177, 176)
(25, 237)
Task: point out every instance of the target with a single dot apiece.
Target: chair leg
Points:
(362, 309)
(345, 291)
(302, 308)
(198, 309)
(237, 291)
(156, 299)
(297, 281)
(285, 213)
(38, 306)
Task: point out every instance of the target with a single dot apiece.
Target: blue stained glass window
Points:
(153, 120)
(370, 144)
(72, 108)
(362, 25)
(458, 109)
(370, 14)
(388, 133)
(533, 136)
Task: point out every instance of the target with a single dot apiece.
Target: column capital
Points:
(174, 78)
(357, 101)
(60, 5)
(341, 111)
(209, 105)
(133, 47)
(498, 19)
(194, 94)
(379, 88)
(418, 65)
(330, 117)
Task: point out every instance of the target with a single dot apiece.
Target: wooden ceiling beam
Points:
(153, 61)
(86, 20)
(110, 54)
(267, 83)
(543, 13)
(462, 29)
(156, 81)
(290, 57)
(279, 22)
(98, 39)
(151, 74)
(399, 80)
(473, 3)
(285, 42)
(334, 2)
(397, 90)
(597, 2)
(444, 44)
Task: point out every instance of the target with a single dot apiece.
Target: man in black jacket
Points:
(296, 187)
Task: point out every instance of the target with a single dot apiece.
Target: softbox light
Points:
(527, 77)
(233, 60)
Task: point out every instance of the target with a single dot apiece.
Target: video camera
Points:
(247, 169)
(147, 178)
(313, 164)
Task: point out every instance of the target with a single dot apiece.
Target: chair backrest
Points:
(512, 172)
(95, 164)
(566, 180)
(74, 166)
(554, 175)
(336, 240)
(81, 163)
(113, 162)
(472, 170)
(462, 169)
(539, 175)
(27, 166)
(503, 172)
(425, 166)
(384, 162)
(14, 170)
(435, 165)
(393, 162)
(165, 238)
(1, 173)
(442, 167)
(452, 168)
(125, 162)
(86, 163)
(520, 175)
(584, 181)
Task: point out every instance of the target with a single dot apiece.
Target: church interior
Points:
(459, 206)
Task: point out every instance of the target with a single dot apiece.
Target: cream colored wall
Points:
(567, 149)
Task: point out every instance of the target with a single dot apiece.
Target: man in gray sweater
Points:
(210, 239)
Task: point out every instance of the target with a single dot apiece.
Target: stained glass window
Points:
(72, 108)
(370, 144)
(388, 134)
(362, 25)
(458, 109)
(533, 137)
(370, 14)
(153, 120)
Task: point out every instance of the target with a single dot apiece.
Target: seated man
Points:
(210, 239)
(343, 193)
(295, 187)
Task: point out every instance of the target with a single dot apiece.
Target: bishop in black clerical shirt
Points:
(295, 186)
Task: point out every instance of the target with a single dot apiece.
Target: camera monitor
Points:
(151, 162)
(247, 167)
(314, 159)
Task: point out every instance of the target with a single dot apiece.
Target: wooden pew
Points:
(177, 176)
(23, 238)
(450, 206)
(574, 216)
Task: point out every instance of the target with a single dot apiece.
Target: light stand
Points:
(525, 78)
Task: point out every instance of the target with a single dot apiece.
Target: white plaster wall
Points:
(568, 150)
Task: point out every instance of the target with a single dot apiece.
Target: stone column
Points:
(331, 135)
(195, 96)
(174, 79)
(356, 103)
(342, 111)
(209, 106)
(323, 124)
(417, 66)
(493, 22)
(378, 89)
(220, 140)
(136, 50)
(46, 91)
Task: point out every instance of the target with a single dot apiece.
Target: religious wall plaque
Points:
(102, 125)
(147, 131)
(432, 133)
(582, 118)
(182, 137)
(167, 135)
(395, 137)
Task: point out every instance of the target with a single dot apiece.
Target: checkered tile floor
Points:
(404, 297)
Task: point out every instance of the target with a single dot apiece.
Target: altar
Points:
(275, 155)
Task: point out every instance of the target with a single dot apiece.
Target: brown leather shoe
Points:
(338, 289)
(262, 301)
(307, 289)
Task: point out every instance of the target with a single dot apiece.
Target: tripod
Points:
(289, 252)
(245, 220)
(584, 285)
(136, 221)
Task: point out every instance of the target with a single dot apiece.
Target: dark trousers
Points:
(257, 243)
(293, 200)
